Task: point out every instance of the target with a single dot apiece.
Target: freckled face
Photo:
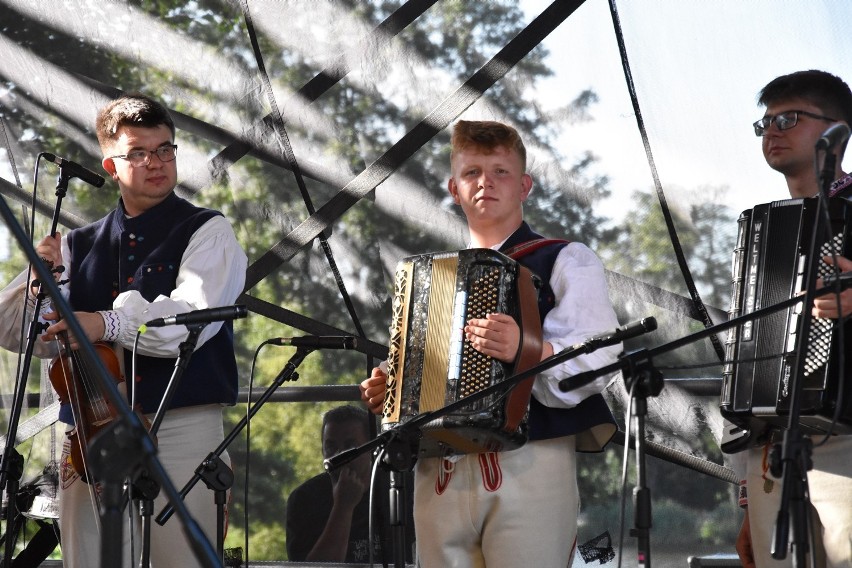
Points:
(490, 188)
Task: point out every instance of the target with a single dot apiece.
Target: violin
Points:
(76, 385)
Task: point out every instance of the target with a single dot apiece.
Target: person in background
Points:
(516, 508)
(328, 515)
(153, 256)
(800, 106)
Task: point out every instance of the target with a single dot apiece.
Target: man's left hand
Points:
(497, 336)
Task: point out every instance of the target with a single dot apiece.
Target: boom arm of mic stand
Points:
(411, 429)
(631, 359)
(286, 374)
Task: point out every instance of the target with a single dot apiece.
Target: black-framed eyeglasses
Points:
(139, 158)
(785, 120)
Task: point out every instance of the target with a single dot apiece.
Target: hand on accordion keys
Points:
(825, 306)
(496, 335)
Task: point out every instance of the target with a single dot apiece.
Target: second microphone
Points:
(318, 341)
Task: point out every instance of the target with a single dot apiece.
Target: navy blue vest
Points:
(143, 253)
(546, 422)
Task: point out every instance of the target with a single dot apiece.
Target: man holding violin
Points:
(153, 256)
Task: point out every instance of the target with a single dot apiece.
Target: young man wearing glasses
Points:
(799, 108)
(153, 256)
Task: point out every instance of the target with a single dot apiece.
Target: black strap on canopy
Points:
(365, 182)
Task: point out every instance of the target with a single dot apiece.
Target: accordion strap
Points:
(529, 351)
(525, 248)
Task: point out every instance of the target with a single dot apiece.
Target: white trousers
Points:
(186, 436)
(830, 486)
(500, 510)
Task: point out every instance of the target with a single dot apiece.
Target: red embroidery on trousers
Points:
(573, 550)
(445, 473)
(492, 475)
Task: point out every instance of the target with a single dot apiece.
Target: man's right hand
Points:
(349, 488)
(373, 390)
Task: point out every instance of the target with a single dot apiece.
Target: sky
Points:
(697, 67)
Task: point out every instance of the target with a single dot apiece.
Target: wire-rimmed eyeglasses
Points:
(785, 120)
(138, 158)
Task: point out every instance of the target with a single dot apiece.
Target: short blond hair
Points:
(486, 136)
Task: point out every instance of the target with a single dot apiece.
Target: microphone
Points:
(74, 169)
(619, 334)
(201, 316)
(318, 341)
(834, 135)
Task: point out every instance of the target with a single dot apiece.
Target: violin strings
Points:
(94, 499)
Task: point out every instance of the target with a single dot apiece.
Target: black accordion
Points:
(431, 364)
(769, 265)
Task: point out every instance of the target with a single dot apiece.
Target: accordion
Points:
(769, 265)
(431, 364)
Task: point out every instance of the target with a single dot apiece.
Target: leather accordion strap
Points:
(529, 353)
(523, 249)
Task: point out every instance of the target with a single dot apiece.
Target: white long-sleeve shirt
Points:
(211, 274)
(583, 309)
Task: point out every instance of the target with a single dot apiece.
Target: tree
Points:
(349, 125)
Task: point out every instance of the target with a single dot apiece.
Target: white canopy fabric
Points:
(301, 118)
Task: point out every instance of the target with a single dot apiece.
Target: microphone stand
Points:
(795, 460)
(124, 444)
(12, 463)
(401, 442)
(146, 489)
(642, 360)
(642, 380)
(405, 434)
(213, 470)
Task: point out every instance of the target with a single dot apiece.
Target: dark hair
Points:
(486, 136)
(345, 414)
(133, 109)
(822, 89)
